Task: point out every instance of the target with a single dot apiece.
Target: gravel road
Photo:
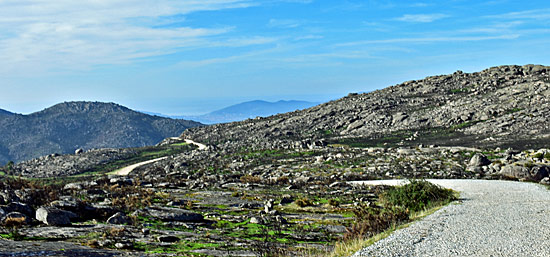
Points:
(493, 218)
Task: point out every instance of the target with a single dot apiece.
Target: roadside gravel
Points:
(493, 218)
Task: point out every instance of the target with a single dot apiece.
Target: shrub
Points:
(370, 221)
(251, 179)
(15, 222)
(283, 180)
(418, 195)
(303, 202)
(334, 202)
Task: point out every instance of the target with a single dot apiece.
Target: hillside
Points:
(65, 127)
(5, 113)
(251, 109)
(500, 106)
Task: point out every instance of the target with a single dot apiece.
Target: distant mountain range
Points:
(246, 110)
(68, 126)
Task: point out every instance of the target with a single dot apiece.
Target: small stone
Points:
(255, 220)
(73, 186)
(287, 199)
(268, 206)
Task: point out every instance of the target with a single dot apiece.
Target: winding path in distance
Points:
(493, 218)
(126, 170)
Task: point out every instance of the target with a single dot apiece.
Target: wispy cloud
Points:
(309, 37)
(430, 40)
(38, 34)
(283, 23)
(537, 14)
(422, 18)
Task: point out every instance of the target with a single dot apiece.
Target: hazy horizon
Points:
(191, 108)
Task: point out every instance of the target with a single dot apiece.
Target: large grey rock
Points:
(171, 214)
(515, 171)
(54, 217)
(19, 207)
(479, 160)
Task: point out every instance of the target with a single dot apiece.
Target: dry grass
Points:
(15, 222)
(251, 179)
(351, 246)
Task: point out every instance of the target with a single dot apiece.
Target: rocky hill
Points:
(5, 113)
(65, 127)
(506, 106)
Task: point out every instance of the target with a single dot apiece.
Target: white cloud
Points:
(430, 39)
(538, 14)
(421, 18)
(52, 34)
(284, 23)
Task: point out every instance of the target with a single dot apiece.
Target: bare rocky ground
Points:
(247, 203)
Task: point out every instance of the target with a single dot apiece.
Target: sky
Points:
(194, 56)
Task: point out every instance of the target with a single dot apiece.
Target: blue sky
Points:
(191, 57)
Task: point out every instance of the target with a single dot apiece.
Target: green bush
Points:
(370, 221)
(303, 202)
(418, 195)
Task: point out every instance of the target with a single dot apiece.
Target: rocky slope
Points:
(505, 106)
(5, 113)
(65, 127)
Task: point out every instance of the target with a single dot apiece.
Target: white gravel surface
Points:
(493, 218)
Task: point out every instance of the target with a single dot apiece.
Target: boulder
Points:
(171, 214)
(83, 210)
(19, 207)
(540, 172)
(479, 160)
(515, 171)
(54, 217)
